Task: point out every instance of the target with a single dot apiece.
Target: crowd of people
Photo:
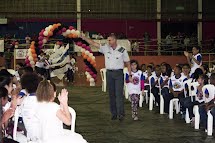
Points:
(169, 83)
(41, 119)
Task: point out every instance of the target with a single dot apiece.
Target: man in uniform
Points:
(115, 59)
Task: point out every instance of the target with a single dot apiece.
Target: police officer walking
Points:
(115, 59)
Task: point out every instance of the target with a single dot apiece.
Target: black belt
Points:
(112, 70)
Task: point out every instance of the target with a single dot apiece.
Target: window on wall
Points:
(120, 9)
(179, 10)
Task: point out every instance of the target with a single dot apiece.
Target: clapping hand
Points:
(186, 53)
(63, 97)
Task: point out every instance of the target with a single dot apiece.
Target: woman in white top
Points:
(194, 59)
(51, 116)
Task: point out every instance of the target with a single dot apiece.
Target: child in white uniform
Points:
(136, 87)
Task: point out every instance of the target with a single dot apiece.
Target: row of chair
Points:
(174, 103)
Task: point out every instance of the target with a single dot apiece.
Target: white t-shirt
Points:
(138, 82)
(28, 110)
(194, 65)
(51, 127)
(177, 84)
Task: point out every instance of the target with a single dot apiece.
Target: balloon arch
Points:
(70, 35)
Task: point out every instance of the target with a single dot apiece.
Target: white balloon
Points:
(92, 80)
(72, 31)
(89, 76)
(87, 52)
(29, 50)
(82, 50)
(16, 46)
(30, 58)
(93, 57)
(46, 29)
(64, 34)
(32, 62)
(50, 26)
(90, 55)
(77, 33)
(67, 31)
(44, 40)
(45, 33)
(86, 73)
(29, 54)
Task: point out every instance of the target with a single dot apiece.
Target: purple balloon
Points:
(40, 46)
(63, 29)
(91, 73)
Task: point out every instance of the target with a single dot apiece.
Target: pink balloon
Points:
(63, 29)
(79, 44)
(71, 27)
(91, 73)
(40, 38)
(40, 46)
(42, 30)
(87, 69)
(94, 76)
(40, 42)
(90, 51)
(84, 46)
(87, 48)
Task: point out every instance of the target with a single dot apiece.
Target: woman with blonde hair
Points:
(51, 116)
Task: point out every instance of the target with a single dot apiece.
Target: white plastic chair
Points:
(125, 70)
(191, 94)
(211, 91)
(174, 103)
(146, 96)
(161, 98)
(73, 113)
(18, 136)
(210, 124)
(151, 96)
(104, 79)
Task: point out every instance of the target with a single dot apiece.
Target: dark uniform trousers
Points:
(115, 80)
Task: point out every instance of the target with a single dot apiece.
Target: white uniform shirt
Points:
(114, 59)
(194, 66)
(138, 80)
(177, 84)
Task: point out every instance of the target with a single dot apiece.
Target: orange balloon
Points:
(85, 57)
(75, 36)
(34, 55)
(58, 24)
(33, 51)
(50, 33)
(55, 26)
(32, 47)
(82, 54)
(94, 65)
(70, 35)
(92, 62)
(89, 59)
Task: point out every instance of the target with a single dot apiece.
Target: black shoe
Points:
(114, 117)
(121, 118)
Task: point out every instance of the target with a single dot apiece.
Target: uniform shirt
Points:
(138, 82)
(177, 84)
(162, 79)
(153, 78)
(194, 66)
(114, 59)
